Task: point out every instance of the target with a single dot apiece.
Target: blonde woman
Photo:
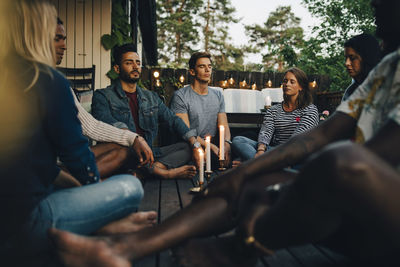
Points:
(46, 127)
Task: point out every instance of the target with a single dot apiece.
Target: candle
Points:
(201, 171)
(268, 101)
(208, 155)
(221, 142)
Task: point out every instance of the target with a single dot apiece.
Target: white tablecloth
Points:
(276, 94)
(243, 101)
(248, 101)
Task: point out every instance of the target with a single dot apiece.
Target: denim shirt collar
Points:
(121, 93)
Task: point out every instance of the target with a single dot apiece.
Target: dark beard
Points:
(124, 76)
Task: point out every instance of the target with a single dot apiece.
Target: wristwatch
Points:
(228, 141)
(196, 145)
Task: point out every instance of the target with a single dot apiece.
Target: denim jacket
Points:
(111, 105)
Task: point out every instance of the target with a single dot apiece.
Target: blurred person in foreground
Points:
(40, 124)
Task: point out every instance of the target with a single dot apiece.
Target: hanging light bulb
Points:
(158, 83)
(156, 74)
(231, 81)
(269, 83)
(182, 78)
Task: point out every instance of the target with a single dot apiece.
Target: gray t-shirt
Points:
(202, 109)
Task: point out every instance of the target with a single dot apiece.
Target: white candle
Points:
(268, 101)
(221, 142)
(208, 155)
(201, 171)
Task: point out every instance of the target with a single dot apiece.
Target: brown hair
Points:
(305, 98)
(193, 59)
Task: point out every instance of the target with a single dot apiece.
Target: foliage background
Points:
(185, 26)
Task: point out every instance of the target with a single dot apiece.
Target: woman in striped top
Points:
(294, 115)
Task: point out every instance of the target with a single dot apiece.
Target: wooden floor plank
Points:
(150, 201)
(281, 258)
(169, 204)
(337, 258)
(310, 256)
(184, 193)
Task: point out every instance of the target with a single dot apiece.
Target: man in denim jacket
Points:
(128, 106)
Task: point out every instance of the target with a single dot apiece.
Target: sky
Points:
(257, 12)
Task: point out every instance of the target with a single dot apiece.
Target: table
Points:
(243, 101)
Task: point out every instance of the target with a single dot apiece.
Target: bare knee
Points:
(339, 165)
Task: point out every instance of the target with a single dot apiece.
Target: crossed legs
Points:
(344, 185)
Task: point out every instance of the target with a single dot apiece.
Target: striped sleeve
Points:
(100, 131)
(268, 127)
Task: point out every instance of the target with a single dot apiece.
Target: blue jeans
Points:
(244, 147)
(81, 210)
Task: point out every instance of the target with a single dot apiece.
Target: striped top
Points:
(279, 125)
(100, 131)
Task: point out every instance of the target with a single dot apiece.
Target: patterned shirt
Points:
(377, 99)
(279, 125)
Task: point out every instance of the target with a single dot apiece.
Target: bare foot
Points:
(214, 252)
(79, 251)
(187, 171)
(129, 224)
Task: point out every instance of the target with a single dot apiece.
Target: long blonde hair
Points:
(28, 30)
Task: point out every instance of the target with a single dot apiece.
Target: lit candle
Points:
(208, 155)
(221, 142)
(268, 101)
(201, 171)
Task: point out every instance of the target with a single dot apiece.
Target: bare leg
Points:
(345, 184)
(131, 223)
(109, 158)
(203, 217)
(186, 171)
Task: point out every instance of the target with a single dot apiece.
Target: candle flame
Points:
(182, 79)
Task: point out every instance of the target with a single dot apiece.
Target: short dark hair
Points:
(305, 97)
(369, 50)
(59, 21)
(193, 59)
(120, 50)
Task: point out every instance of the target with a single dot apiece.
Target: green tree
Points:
(177, 30)
(281, 36)
(216, 16)
(339, 21)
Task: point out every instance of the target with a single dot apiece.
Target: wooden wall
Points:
(85, 21)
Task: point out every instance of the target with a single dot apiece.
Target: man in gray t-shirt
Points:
(201, 107)
(202, 110)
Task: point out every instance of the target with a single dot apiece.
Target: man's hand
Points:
(259, 153)
(143, 151)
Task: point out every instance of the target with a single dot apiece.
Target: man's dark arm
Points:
(386, 143)
(339, 126)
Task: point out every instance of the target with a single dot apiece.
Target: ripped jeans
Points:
(81, 210)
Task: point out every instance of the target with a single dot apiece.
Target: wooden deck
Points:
(169, 196)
